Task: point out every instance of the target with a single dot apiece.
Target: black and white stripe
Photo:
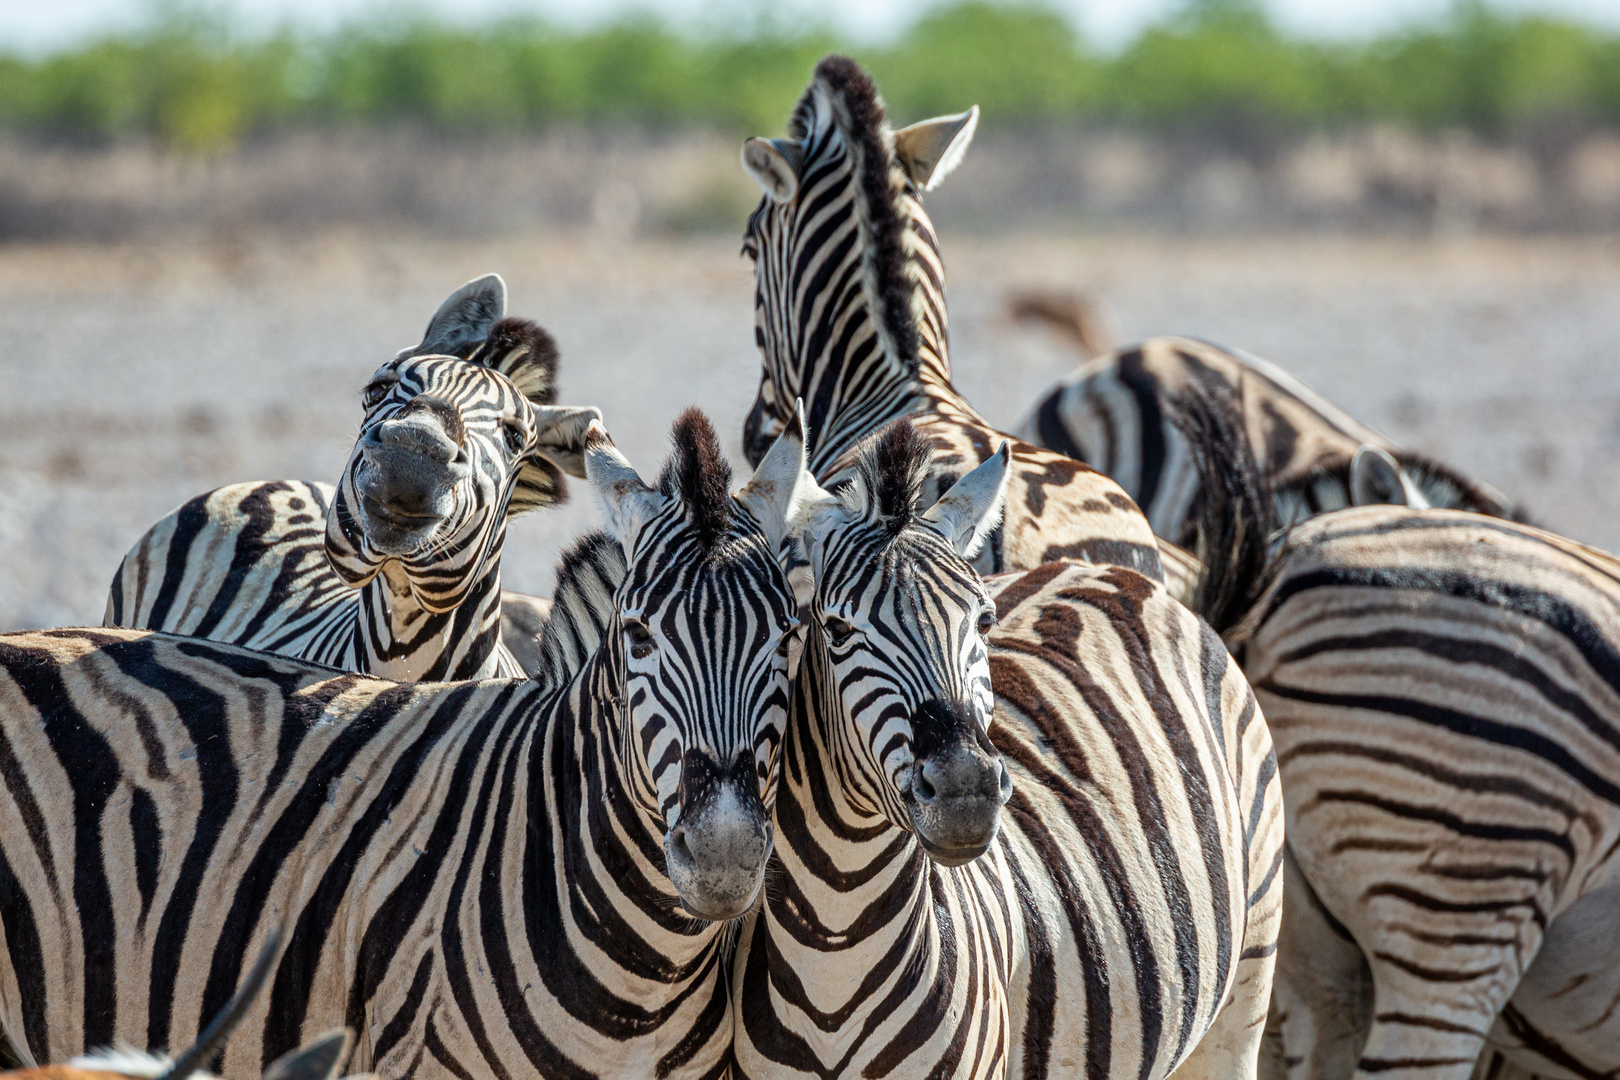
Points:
(1117, 413)
(404, 581)
(1121, 921)
(1444, 692)
(850, 318)
(481, 878)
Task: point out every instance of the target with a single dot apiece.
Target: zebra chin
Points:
(717, 851)
(956, 786)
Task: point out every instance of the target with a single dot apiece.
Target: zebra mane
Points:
(525, 353)
(588, 578)
(891, 466)
(1443, 486)
(700, 476)
(1447, 488)
(861, 117)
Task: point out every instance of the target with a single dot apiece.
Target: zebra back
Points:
(1118, 413)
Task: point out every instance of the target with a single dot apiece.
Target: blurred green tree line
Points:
(190, 82)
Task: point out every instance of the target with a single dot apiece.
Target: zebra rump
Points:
(1444, 693)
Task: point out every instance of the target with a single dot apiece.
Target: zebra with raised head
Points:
(1077, 873)
(850, 317)
(480, 878)
(396, 572)
(1118, 414)
(1444, 692)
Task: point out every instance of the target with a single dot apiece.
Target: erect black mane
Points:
(860, 115)
(700, 476)
(892, 465)
(1431, 476)
(525, 353)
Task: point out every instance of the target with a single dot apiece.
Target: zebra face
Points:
(899, 645)
(703, 623)
(448, 448)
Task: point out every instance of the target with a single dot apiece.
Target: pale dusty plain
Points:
(135, 377)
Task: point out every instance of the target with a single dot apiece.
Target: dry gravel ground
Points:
(135, 377)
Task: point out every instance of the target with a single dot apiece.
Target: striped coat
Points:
(452, 449)
(482, 879)
(1120, 923)
(1444, 691)
(1118, 414)
(850, 317)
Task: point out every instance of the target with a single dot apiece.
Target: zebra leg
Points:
(1231, 1049)
(1323, 995)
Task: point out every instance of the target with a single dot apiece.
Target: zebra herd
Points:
(1258, 745)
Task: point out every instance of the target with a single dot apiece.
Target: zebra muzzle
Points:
(957, 786)
(407, 484)
(717, 850)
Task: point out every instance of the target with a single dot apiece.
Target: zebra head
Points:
(840, 242)
(896, 653)
(702, 625)
(459, 433)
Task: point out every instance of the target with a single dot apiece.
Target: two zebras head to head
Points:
(460, 431)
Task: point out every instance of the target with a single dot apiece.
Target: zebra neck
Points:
(400, 639)
(891, 382)
(614, 884)
(845, 855)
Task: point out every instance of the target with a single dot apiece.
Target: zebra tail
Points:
(1235, 507)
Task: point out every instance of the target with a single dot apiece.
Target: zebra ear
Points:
(776, 491)
(562, 434)
(971, 510)
(1376, 477)
(464, 319)
(319, 1060)
(626, 502)
(774, 164)
(931, 150)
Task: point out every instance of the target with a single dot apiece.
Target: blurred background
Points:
(215, 221)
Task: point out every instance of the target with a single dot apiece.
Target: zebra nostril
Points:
(1006, 782)
(922, 787)
(677, 841)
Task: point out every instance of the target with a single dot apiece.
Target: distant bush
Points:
(190, 83)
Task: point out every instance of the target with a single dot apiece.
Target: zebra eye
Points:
(786, 646)
(373, 394)
(987, 620)
(641, 640)
(514, 437)
(838, 631)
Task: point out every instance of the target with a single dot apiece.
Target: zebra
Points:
(320, 1059)
(850, 316)
(1118, 412)
(1089, 883)
(481, 879)
(404, 580)
(1444, 692)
